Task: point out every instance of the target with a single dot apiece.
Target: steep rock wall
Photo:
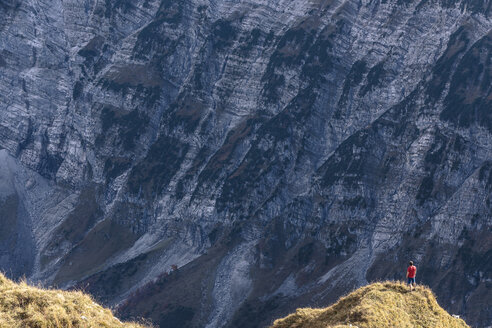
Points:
(279, 152)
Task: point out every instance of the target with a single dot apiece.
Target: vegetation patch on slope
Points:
(22, 305)
(379, 305)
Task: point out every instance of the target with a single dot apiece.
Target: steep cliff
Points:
(278, 152)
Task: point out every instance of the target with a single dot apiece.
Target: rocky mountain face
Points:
(279, 153)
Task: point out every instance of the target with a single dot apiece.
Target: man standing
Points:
(411, 272)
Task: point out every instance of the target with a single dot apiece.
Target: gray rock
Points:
(279, 153)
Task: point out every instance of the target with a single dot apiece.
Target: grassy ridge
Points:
(379, 305)
(24, 306)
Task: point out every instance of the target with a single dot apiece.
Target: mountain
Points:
(23, 306)
(276, 153)
(378, 305)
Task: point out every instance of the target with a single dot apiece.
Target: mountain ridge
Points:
(382, 304)
(22, 305)
(311, 146)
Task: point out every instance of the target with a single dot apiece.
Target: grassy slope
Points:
(22, 305)
(379, 305)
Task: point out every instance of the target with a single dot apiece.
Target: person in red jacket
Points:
(411, 273)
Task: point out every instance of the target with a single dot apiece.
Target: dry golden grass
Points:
(379, 305)
(25, 306)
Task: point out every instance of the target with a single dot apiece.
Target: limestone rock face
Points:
(280, 153)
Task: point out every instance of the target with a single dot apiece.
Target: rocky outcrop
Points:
(278, 152)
